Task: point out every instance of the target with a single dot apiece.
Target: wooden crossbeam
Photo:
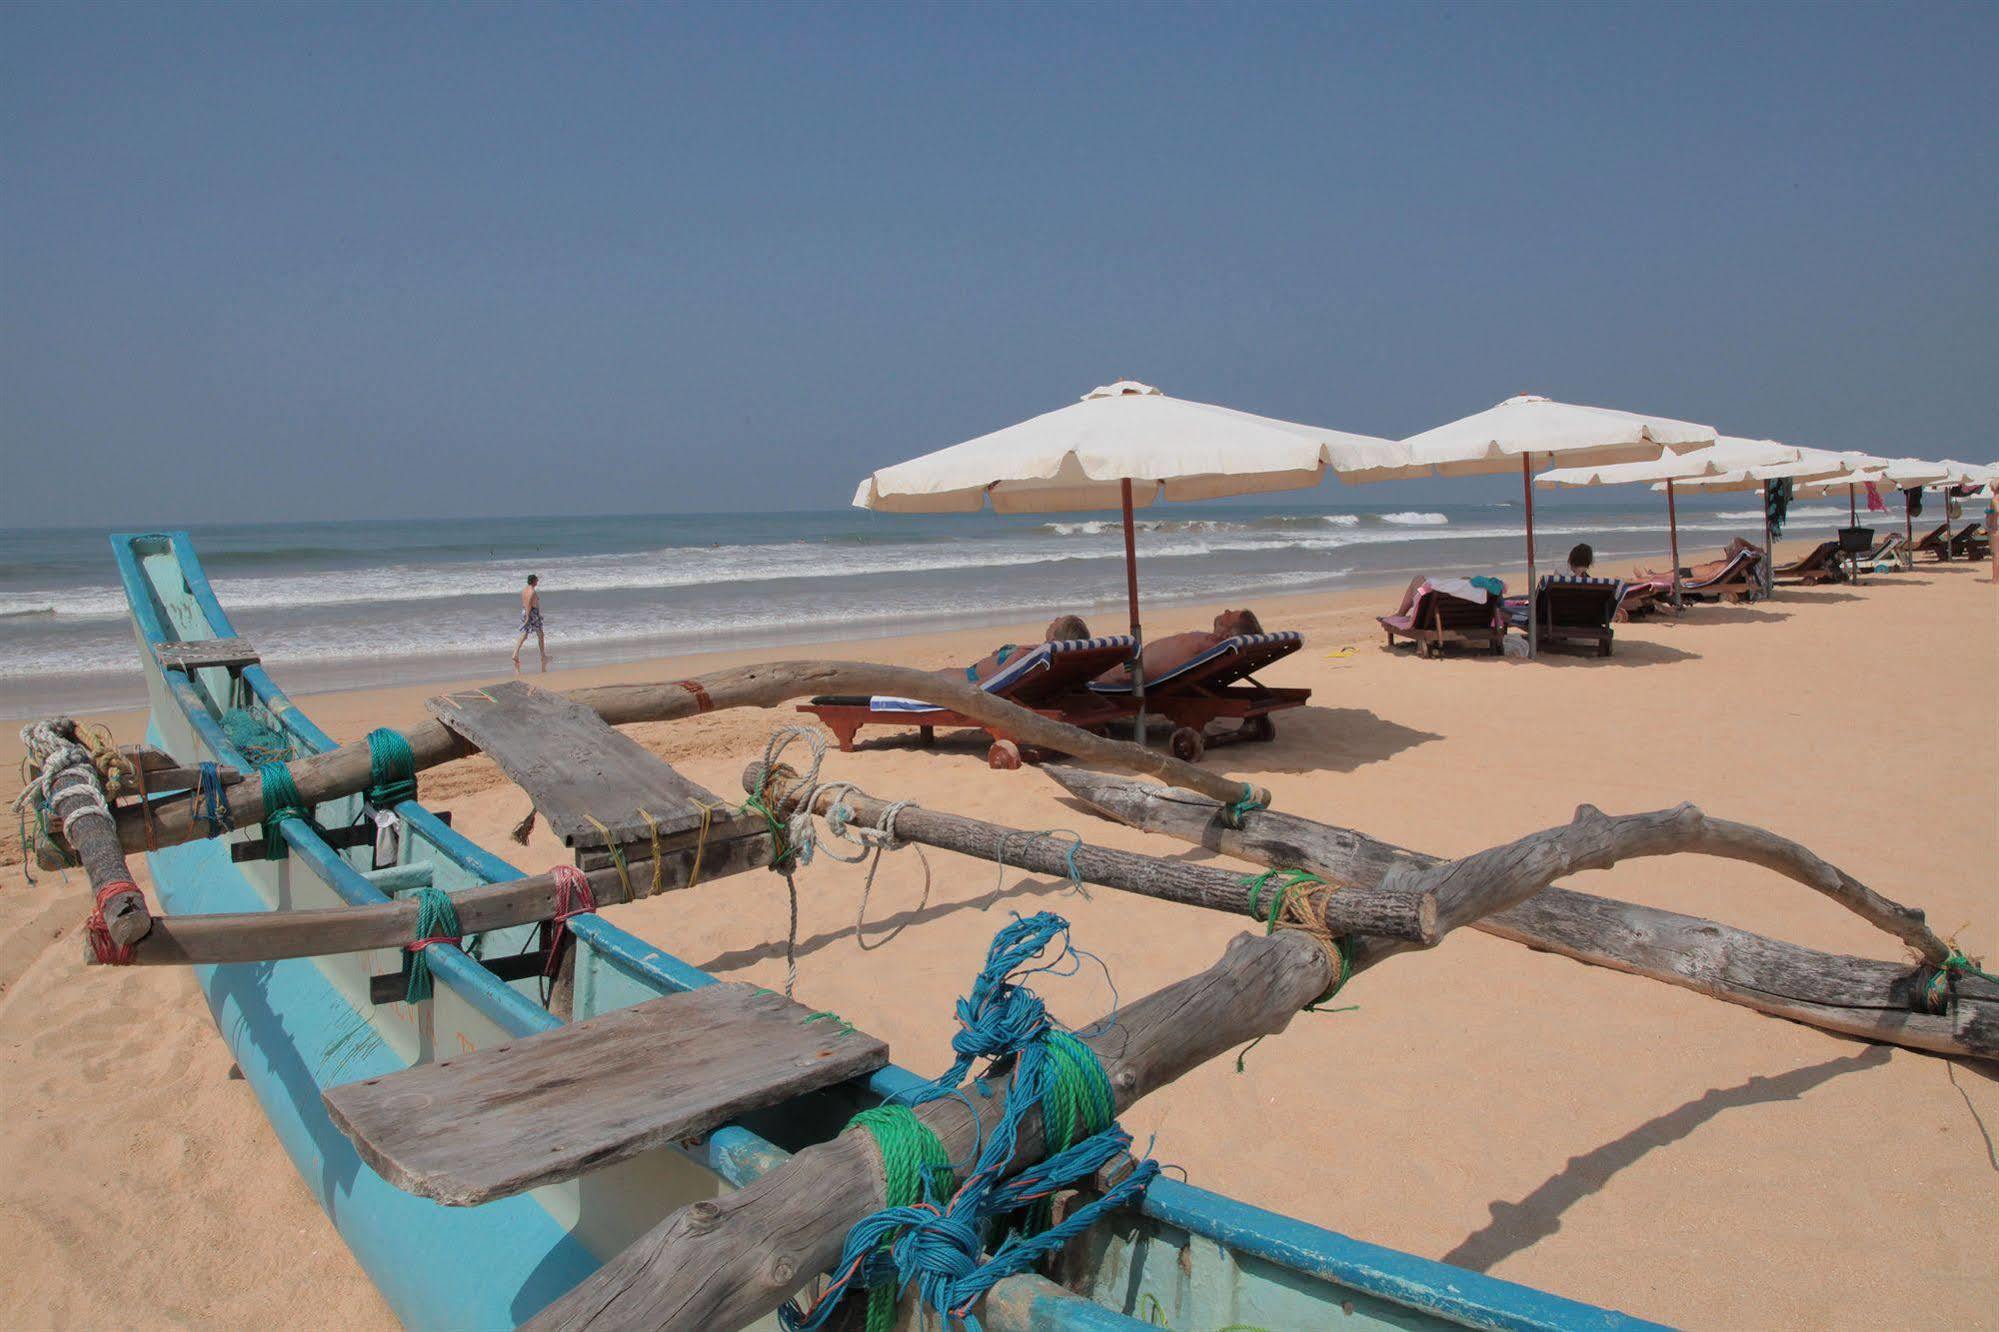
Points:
(549, 1107)
(199, 653)
(594, 785)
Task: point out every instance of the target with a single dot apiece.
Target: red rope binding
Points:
(572, 898)
(421, 944)
(116, 955)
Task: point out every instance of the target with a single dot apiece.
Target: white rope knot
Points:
(53, 750)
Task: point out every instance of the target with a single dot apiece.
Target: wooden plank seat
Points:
(555, 1105)
(1048, 678)
(1218, 682)
(194, 654)
(1436, 619)
(596, 786)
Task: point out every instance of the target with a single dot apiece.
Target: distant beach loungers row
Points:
(1198, 678)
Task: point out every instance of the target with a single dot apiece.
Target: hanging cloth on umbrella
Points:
(1912, 498)
(1776, 503)
(1875, 504)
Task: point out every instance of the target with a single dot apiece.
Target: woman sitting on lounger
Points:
(1170, 653)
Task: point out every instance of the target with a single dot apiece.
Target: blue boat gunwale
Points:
(738, 1155)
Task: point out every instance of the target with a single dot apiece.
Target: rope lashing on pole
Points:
(938, 1243)
(391, 769)
(282, 804)
(1942, 985)
(99, 934)
(1251, 800)
(436, 923)
(209, 802)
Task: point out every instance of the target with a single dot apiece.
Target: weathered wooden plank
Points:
(579, 771)
(548, 1107)
(198, 653)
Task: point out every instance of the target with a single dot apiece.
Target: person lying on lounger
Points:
(1170, 653)
(1061, 629)
(1699, 572)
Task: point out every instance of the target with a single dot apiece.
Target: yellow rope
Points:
(708, 813)
(617, 856)
(1303, 909)
(658, 869)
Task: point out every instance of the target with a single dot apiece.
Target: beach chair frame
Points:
(1218, 684)
(1819, 565)
(1449, 620)
(1572, 608)
(1049, 679)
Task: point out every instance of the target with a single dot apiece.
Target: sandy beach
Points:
(1605, 1137)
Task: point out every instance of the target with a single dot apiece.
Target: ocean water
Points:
(365, 603)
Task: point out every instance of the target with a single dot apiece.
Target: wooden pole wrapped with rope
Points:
(74, 775)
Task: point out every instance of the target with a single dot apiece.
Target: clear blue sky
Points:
(289, 261)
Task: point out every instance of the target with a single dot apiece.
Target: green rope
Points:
(781, 849)
(1248, 803)
(828, 1015)
(915, 1169)
(1937, 992)
(391, 769)
(436, 918)
(282, 804)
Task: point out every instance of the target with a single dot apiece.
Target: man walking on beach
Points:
(531, 623)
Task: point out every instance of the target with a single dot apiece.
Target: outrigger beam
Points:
(345, 771)
(1931, 1004)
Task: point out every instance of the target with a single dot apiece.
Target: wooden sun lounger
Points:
(1572, 609)
(1220, 682)
(1049, 678)
(1736, 581)
(1437, 619)
(1971, 543)
(1934, 542)
(1821, 565)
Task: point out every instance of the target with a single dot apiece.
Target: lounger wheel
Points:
(1259, 728)
(1189, 744)
(1004, 756)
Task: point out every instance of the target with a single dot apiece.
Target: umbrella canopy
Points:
(1512, 435)
(1079, 457)
(1498, 438)
(1122, 446)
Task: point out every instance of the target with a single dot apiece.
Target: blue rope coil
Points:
(941, 1248)
(391, 769)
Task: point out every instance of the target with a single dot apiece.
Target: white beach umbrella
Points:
(1729, 456)
(1801, 465)
(1517, 432)
(1121, 447)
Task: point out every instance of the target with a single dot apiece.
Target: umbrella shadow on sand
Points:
(1521, 1225)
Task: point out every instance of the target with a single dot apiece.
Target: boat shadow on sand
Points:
(1521, 1225)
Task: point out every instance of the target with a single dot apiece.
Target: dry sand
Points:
(1605, 1137)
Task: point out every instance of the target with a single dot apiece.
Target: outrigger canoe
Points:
(1180, 1257)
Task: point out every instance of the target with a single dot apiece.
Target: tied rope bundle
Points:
(936, 1239)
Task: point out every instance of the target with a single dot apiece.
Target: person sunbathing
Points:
(1061, 629)
(1700, 572)
(1176, 650)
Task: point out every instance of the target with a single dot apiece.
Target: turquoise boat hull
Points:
(1183, 1258)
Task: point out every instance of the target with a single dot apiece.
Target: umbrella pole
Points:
(1769, 549)
(1527, 489)
(1137, 634)
(1673, 528)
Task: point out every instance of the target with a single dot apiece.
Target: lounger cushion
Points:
(1227, 647)
(1011, 675)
